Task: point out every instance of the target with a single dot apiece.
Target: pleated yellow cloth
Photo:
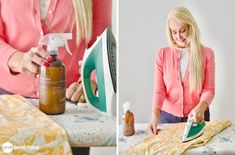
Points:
(169, 141)
(24, 129)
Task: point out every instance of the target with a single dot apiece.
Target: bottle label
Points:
(52, 96)
(45, 83)
(52, 88)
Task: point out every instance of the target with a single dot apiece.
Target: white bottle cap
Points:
(126, 106)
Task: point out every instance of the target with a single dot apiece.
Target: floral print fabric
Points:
(25, 126)
(169, 141)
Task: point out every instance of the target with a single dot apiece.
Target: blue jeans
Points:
(166, 117)
(5, 92)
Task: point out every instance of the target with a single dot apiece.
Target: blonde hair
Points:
(83, 19)
(183, 16)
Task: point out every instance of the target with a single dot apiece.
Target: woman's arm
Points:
(208, 88)
(102, 18)
(159, 92)
(102, 13)
(28, 62)
(13, 61)
(154, 121)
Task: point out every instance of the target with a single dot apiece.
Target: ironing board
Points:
(85, 127)
(223, 143)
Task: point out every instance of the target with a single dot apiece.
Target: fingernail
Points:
(49, 59)
(46, 64)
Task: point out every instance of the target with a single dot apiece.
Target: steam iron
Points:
(101, 56)
(193, 131)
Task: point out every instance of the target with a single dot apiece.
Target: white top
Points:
(183, 61)
(44, 5)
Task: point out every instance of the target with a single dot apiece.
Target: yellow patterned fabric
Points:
(169, 141)
(29, 130)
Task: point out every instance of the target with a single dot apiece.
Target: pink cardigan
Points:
(21, 29)
(172, 95)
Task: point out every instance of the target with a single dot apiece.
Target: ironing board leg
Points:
(81, 150)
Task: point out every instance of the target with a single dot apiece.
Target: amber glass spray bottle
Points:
(52, 79)
(128, 120)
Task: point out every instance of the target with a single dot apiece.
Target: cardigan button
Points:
(35, 11)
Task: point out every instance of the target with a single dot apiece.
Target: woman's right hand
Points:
(28, 63)
(152, 127)
(75, 92)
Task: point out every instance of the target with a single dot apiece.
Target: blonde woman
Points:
(22, 23)
(184, 74)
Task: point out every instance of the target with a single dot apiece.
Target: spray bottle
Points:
(52, 79)
(128, 120)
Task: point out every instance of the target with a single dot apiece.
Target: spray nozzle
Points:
(126, 106)
(55, 40)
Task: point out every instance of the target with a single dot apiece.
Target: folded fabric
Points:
(169, 141)
(26, 130)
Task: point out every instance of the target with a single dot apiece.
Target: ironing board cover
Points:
(169, 141)
(24, 126)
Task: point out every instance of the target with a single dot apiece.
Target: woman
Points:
(184, 74)
(23, 23)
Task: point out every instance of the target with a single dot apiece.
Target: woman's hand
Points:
(152, 127)
(75, 92)
(198, 112)
(29, 62)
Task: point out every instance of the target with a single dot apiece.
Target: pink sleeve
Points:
(102, 17)
(159, 92)
(208, 88)
(5, 50)
(102, 13)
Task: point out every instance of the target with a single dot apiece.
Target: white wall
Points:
(142, 32)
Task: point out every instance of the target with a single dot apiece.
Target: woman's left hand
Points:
(75, 92)
(198, 112)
